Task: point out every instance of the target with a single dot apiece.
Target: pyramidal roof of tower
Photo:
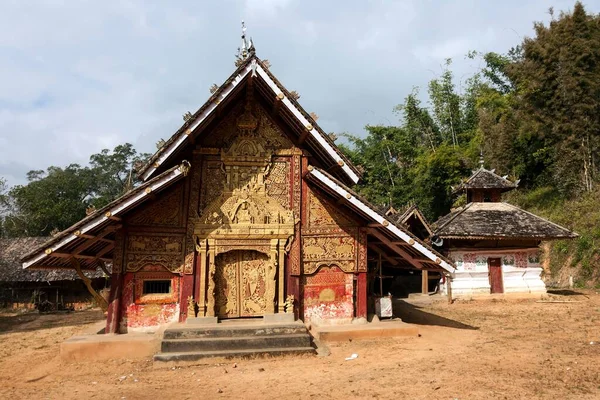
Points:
(486, 179)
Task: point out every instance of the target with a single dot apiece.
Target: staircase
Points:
(183, 342)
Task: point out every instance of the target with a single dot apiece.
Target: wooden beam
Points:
(382, 253)
(104, 251)
(100, 301)
(276, 106)
(407, 257)
(93, 240)
(79, 256)
(303, 136)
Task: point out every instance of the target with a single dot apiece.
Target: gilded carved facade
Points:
(245, 222)
(234, 223)
(331, 238)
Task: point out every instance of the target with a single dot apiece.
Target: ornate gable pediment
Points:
(244, 210)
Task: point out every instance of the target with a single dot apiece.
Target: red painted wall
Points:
(146, 312)
(327, 296)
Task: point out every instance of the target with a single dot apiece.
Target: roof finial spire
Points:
(245, 49)
(481, 162)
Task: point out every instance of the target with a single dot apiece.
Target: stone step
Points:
(223, 330)
(198, 355)
(236, 343)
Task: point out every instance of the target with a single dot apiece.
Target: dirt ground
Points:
(482, 349)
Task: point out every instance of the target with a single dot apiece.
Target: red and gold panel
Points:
(328, 295)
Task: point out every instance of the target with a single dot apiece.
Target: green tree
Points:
(541, 110)
(57, 198)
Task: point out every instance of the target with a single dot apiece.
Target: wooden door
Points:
(495, 275)
(240, 281)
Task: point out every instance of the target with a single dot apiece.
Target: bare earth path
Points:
(485, 349)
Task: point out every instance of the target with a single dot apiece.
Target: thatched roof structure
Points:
(497, 221)
(11, 269)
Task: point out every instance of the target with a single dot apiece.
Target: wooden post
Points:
(100, 301)
(201, 278)
(281, 276)
(113, 319)
(361, 295)
(449, 283)
(424, 282)
(380, 276)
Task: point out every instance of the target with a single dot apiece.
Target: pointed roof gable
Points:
(486, 179)
(419, 253)
(253, 68)
(94, 228)
(413, 211)
(497, 221)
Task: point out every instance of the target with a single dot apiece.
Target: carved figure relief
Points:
(325, 216)
(159, 250)
(322, 251)
(165, 211)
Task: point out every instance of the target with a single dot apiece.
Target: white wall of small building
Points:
(521, 272)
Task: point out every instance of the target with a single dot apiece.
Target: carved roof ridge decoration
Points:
(498, 220)
(485, 179)
(358, 203)
(107, 215)
(254, 68)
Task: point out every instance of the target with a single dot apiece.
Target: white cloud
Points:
(79, 76)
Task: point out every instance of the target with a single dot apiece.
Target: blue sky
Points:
(79, 76)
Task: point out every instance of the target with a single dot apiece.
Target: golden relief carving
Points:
(242, 284)
(165, 211)
(192, 216)
(324, 251)
(277, 183)
(165, 251)
(225, 133)
(170, 262)
(324, 215)
(117, 266)
(154, 244)
(244, 217)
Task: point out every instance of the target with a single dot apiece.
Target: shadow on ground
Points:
(565, 292)
(413, 314)
(32, 321)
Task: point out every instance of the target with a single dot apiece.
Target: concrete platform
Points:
(111, 346)
(338, 333)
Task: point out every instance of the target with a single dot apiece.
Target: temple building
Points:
(246, 211)
(494, 245)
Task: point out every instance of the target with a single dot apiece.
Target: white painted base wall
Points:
(521, 273)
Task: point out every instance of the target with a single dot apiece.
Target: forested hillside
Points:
(533, 112)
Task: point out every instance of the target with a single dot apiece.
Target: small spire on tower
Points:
(245, 49)
(481, 162)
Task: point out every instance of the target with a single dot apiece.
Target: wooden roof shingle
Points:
(497, 221)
